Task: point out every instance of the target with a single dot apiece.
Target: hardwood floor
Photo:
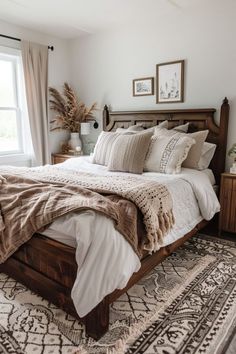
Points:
(212, 230)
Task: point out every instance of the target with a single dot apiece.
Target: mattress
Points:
(106, 266)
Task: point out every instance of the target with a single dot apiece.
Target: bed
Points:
(48, 266)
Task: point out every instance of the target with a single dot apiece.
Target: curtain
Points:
(35, 66)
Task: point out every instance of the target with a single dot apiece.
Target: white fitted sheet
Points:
(105, 259)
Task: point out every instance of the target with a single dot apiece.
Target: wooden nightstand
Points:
(59, 158)
(228, 203)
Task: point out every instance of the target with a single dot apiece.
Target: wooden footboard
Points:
(49, 268)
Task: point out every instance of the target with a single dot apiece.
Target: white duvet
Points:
(105, 259)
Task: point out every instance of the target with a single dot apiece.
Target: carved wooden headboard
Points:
(199, 119)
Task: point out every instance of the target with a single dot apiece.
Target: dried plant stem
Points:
(70, 111)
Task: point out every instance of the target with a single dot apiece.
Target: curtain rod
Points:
(19, 40)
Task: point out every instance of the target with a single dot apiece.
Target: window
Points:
(11, 102)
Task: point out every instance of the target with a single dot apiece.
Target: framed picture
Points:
(143, 87)
(170, 82)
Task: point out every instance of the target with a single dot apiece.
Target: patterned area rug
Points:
(187, 304)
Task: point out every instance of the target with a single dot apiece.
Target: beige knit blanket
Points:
(31, 198)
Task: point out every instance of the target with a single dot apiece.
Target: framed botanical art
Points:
(170, 82)
(143, 87)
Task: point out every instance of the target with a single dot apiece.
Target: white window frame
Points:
(13, 55)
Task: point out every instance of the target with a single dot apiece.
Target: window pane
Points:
(8, 131)
(6, 84)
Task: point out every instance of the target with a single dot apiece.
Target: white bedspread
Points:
(105, 266)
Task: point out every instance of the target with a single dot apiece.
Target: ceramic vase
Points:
(75, 141)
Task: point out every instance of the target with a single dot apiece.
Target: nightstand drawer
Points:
(59, 158)
(228, 203)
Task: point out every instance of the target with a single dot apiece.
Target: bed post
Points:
(105, 117)
(223, 133)
(97, 321)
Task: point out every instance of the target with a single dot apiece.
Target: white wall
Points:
(104, 65)
(58, 64)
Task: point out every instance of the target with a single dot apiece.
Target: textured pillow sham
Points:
(195, 152)
(207, 154)
(166, 153)
(128, 152)
(103, 147)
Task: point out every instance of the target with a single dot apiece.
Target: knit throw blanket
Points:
(31, 198)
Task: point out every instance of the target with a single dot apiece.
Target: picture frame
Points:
(170, 82)
(143, 86)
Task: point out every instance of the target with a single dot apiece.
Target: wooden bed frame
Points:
(48, 267)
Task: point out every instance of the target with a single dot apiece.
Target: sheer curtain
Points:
(35, 65)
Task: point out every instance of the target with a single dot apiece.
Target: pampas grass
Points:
(70, 111)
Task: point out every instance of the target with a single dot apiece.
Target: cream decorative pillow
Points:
(195, 151)
(103, 147)
(166, 153)
(128, 152)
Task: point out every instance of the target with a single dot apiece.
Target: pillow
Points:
(195, 151)
(128, 152)
(179, 128)
(139, 127)
(133, 128)
(207, 154)
(182, 128)
(163, 124)
(103, 147)
(166, 153)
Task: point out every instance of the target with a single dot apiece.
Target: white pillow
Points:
(166, 153)
(207, 154)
